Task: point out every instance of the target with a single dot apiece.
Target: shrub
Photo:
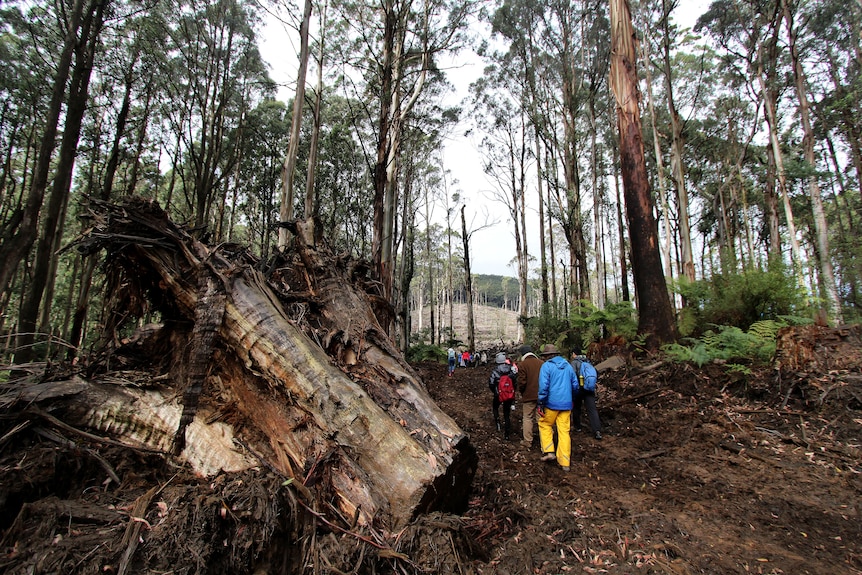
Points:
(739, 300)
(425, 352)
(729, 343)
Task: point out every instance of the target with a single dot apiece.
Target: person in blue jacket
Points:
(557, 384)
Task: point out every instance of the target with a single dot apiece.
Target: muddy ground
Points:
(718, 469)
(700, 470)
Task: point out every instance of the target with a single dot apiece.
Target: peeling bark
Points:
(324, 398)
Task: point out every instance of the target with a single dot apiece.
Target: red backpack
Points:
(505, 388)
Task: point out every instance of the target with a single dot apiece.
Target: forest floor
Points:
(698, 472)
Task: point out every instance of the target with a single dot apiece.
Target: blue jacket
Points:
(557, 383)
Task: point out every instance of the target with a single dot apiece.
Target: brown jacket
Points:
(528, 376)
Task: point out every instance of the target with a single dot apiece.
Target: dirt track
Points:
(701, 470)
(703, 474)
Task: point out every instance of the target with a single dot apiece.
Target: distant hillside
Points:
(492, 290)
(493, 324)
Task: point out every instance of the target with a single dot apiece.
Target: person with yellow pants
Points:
(557, 383)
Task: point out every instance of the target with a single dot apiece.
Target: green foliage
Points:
(544, 328)
(425, 352)
(739, 300)
(584, 325)
(589, 324)
(731, 344)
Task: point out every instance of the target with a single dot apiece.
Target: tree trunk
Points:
(340, 408)
(52, 225)
(286, 210)
(660, 169)
(655, 313)
(766, 78)
(468, 284)
(83, 300)
(311, 204)
(676, 162)
(20, 234)
(827, 274)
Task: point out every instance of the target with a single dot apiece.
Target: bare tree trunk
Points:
(656, 315)
(660, 169)
(310, 195)
(677, 166)
(769, 101)
(432, 291)
(287, 175)
(468, 284)
(52, 224)
(21, 232)
(827, 274)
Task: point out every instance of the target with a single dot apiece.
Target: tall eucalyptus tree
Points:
(19, 232)
(92, 22)
(213, 53)
(396, 44)
(827, 275)
(655, 314)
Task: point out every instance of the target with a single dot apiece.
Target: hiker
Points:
(585, 394)
(451, 353)
(465, 357)
(502, 385)
(528, 387)
(557, 383)
(483, 358)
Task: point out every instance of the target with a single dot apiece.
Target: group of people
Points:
(552, 396)
(465, 359)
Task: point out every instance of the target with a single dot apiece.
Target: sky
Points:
(492, 248)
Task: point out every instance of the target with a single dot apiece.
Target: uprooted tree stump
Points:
(288, 371)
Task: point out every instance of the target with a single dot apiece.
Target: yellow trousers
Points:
(563, 421)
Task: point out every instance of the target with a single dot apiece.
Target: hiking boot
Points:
(579, 429)
(498, 426)
(598, 435)
(549, 457)
(564, 468)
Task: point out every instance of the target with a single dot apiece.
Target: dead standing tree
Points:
(324, 394)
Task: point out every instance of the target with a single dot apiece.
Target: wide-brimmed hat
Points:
(549, 349)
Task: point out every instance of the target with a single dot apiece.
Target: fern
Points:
(729, 343)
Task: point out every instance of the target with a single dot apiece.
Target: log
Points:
(357, 425)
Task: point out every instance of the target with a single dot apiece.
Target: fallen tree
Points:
(389, 449)
(288, 371)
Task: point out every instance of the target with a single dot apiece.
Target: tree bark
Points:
(655, 314)
(52, 225)
(468, 283)
(21, 233)
(343, 408)
(827, 274)
(286, 210)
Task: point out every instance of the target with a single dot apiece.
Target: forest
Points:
(748, 126)
(204, 269)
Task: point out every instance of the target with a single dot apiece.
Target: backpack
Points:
(587, 374)
(505, 388)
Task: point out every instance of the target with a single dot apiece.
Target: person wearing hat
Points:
(503, 368)
(557, 384)
(528, 387)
